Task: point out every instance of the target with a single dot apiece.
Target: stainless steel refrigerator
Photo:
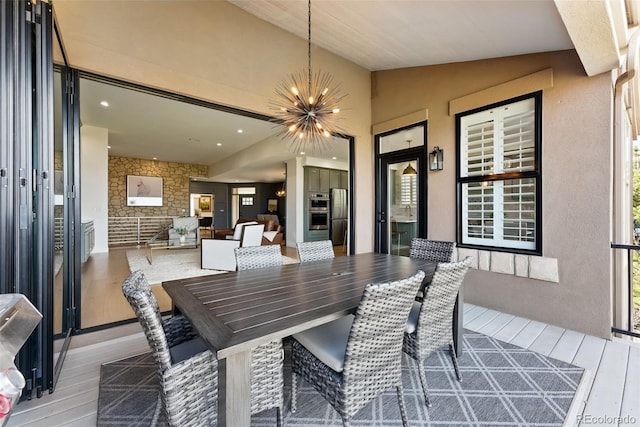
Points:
(338, 214)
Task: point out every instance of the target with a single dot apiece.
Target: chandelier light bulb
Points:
(306, 106)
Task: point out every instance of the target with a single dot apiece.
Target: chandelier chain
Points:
(309, 45)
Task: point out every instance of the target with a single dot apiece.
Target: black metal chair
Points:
(430, 323)
(352, 360)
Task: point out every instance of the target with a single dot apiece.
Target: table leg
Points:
(150, 256)
(234, 390)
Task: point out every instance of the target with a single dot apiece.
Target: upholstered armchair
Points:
(188, 223)
(216, 254)
(271, 224)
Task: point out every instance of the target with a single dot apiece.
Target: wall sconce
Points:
(436, 159)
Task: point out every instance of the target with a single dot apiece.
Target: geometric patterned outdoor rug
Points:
(501, 385)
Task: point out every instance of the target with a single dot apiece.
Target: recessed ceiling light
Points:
(219, 144)
(302, 153)
(104, 103)
(155, 158)
(240, 131)
(334, 158)
(109, 147)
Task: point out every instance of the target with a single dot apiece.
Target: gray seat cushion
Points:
(412, 322)
(187, 349)
(328, 342)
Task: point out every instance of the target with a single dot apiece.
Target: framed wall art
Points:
(205, 203)
(144, 190)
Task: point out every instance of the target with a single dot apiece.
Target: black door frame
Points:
(419, 153)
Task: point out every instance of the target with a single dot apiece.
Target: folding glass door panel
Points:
(26, 166)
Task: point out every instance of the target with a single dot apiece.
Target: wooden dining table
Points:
(237, 311)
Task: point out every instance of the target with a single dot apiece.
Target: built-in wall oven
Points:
(319, 211)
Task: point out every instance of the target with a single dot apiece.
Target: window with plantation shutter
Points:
(407, 186)
(499, 175)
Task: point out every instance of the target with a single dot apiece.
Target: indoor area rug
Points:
(173, 264)
(501, 385)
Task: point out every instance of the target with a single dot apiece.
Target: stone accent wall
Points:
(533, 267)
(175, 185)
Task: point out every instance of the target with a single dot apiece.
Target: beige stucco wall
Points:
(217, 52)
(576, 168)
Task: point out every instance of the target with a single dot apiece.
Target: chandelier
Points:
(307, 106)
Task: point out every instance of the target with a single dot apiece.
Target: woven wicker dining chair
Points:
(431, 250)
(188, 371)
(267, 380)
(258, 257)
(354, 359)
(430, 324)
(189, 386)
(315, 251)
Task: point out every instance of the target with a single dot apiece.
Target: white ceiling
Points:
(382, 35)
(375, 34)
(147, 126)
(152, 127)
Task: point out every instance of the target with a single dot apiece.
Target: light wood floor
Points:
(611, 388)
(102, 299)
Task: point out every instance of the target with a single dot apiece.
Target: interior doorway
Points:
(243, 203)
